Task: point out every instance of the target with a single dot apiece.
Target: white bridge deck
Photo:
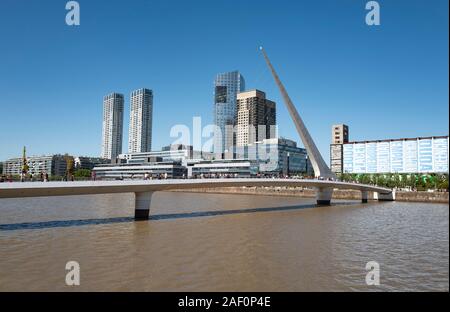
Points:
(145, 188)
(36, 189)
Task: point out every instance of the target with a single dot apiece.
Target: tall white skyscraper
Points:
(112, 125)
(141, 116)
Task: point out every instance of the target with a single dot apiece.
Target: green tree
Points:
(403, 180)
(430, 183)
(390, 181)
(82, 173)
(422, 183)
(443, 184)
(364, 178)
(411, 181)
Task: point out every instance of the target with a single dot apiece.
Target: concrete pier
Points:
(142, 204)
(385, 196)
(364, 196)
(323, 196)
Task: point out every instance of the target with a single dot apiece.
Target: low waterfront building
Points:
(173, 164)
(268, 157)
(82, 162)
(169, 163)
(277, 156)
(191, 153)
(53, 165)
(146, 157)
(180, 147)
(222, 168)
(167, 169)
(406, 155)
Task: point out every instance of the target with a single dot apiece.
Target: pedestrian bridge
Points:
(144, 189)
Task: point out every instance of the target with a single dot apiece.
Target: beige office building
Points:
(256, 117)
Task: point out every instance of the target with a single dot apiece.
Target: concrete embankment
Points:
(428, 197)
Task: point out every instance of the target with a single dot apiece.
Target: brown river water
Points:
(221, 242)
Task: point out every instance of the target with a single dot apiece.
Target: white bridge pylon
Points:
(320, 167)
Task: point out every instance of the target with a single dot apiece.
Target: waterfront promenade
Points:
(305, 192)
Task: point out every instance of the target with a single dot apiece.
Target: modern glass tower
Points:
(141, 117)
(112, 125)
(226, 88)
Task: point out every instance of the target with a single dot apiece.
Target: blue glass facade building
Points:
(226, 88)
(276, 156)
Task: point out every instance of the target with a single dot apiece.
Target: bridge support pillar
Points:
(142, 203)
(323, 195)
(364, 196)
(386, 197)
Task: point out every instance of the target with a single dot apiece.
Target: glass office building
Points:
(276, 156)
(415, 155)
(226, 88)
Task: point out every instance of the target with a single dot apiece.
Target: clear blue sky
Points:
(388, 81)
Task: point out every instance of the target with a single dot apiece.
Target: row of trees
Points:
(420, 182)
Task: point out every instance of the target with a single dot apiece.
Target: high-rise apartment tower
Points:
(112, 125)
(141, 119)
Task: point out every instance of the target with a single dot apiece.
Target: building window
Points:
(221, 94)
